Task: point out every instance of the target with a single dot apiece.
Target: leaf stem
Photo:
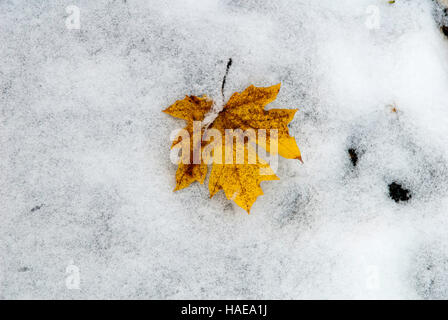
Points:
(229, 63)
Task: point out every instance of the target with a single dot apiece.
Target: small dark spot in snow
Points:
(36, 208)
(353, 156)
(444, 30)
(398, 193)
(24, 269)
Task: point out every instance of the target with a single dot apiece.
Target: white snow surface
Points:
(86, 178)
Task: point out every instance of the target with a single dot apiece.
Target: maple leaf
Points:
(240, 181)
(191, 109)
(245, 110)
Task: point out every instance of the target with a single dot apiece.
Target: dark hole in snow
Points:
(36, 208)
(444, 30)
(24, 269)
(353, 156)
(398, 193)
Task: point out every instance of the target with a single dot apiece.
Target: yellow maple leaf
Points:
(245, 110)
(240, 180)
(191, 109)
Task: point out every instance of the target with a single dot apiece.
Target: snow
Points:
(85, 144)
